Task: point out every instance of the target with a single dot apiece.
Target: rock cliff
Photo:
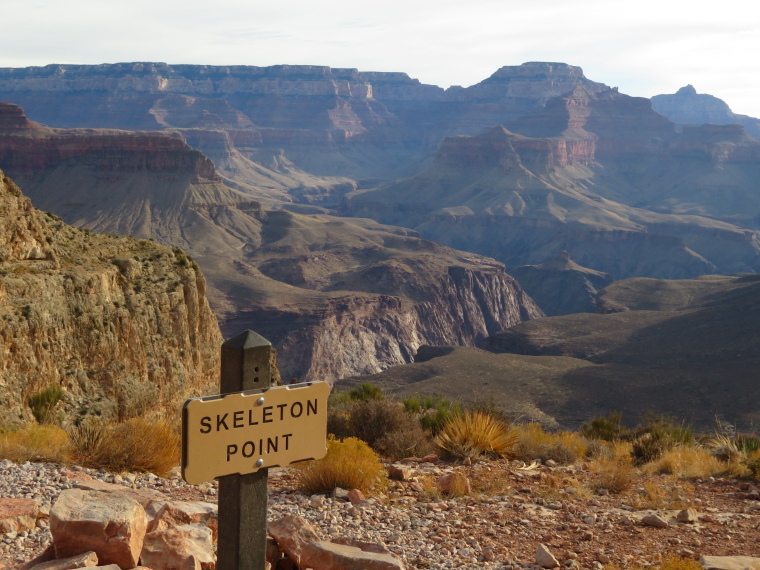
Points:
(122, 325)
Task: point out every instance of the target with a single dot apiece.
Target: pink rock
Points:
(142, 496)
(455, 483)
(400, 472)
(88, 559)
(298, 539)
(185, 547)
(18, 514)
(430, 458)
(112, 526)
(355, 495)
(178, 513)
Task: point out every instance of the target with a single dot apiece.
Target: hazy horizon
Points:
(644, 50)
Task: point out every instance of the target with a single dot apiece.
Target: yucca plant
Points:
(475, 434)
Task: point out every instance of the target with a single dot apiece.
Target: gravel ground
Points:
(500, 528)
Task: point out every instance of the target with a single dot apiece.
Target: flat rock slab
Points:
(298, 539)
(111, 525)
(18, 514)
(142, 496)
(729, 562)
(88, 559)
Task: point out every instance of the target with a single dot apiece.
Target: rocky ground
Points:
(512, 508)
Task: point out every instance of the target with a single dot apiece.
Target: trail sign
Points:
(247, 431)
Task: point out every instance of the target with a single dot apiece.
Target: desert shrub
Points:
(476, 434)
(655, 436)
(687, 461)
(135, 445)
(605, 428)
(614, 475)
(433, 411)
(533, 442)
(43, 402)
(366, 392)
(383, 424)
(349, 464)
(35, 443)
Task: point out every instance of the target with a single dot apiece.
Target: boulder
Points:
(545, 558)
(87, 559)
(455, 483)
(142, 496)
(178, 513)
(184, 547)
(687, 516)
(355, 496)
(111, 525)
(400, 472)
(655, 521)
(18, 514)
(298, 539)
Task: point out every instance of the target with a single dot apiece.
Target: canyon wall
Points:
(122, 325)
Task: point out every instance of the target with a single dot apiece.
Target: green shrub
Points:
(349, 464)
(366, 392)
(657, 435)
(433, 411)
(606, 429)
(43, 402)
(475, 434)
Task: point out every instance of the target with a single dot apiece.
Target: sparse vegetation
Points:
(349, 464)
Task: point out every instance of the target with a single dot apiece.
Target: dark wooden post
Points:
(246, 365)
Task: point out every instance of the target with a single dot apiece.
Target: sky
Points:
(644, 48)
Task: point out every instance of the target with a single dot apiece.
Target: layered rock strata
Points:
(121, 325)
(336, 297)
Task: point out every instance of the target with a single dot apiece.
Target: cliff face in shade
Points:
(335, 296)
(122, 325)
(561, 286)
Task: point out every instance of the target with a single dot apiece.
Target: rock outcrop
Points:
(121, 325)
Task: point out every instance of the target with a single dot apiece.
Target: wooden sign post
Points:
(246, 365)
(237, 435)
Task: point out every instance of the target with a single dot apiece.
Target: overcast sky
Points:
(645, 47)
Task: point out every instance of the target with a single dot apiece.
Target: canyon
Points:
(335, 296)
(355, 218)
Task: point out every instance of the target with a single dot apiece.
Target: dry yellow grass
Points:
(349, 464)
(614, 475)
(475, 434)
(670, 561)
(34, 442)
(135, 445)
(687, 461)
(669, 493)
(533, 442)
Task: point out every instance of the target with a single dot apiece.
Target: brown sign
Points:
(246, 431)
